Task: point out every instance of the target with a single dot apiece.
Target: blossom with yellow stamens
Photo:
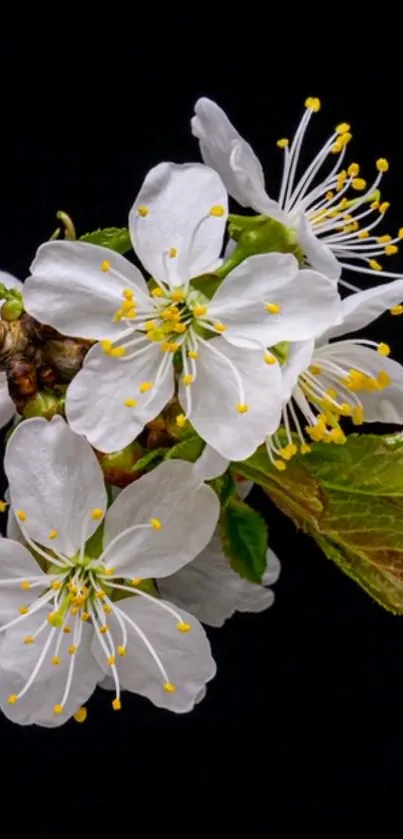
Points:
(57, 646)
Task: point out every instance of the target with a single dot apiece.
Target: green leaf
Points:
(244, 539)
(224, 486)
(142, 464)
(207, 284)
(115, 238)
(349, 498)
(188, 449)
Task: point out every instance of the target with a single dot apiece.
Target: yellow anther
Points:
(390, 250)
(106, 345)
(331, 392)
(121, 650)
(156, 523)
(383, 240)
(272, 308)
(359, 184)
(111, 660)
(358, 415)
(105, 265)
(286, 453)
(72, 588)
(345, 138)
(74, 610)
(375, 205)
(52, 534)
(55, 660)
(345, 409)
(3, 506)
(181, 420)
(363, 234)
(383, 349)
(220, 327)
(169, 687)
(117, 352)
(135, 581)
(157, 292)
(12, 699)
(282, 143)
(104, 629)
(183, 627)
(344, 203)
(172, 252)
(97, 513)
(375, 265)
(384, 379)
(109, 571)
(384, 206)
(188, 379)
(269, 359)
(25, 585)
(178, 295)
(193, 354)
(329, 195)
(280, 465)
(353, 170)
(217, 210)
(100, 594)
(21, 515)
(128, 306)
(305, 448)
(145, 386)
(81, 715)
(85, 616)
(382, 165)
(23, 610)
(127, 294)
(396, 310)
(107, 608)
(315, 369)
(336, 147)
(130, 403)
(400, 233)
(143, 211)
(29, 639)
(341, 179)
(336, 435)
(199, 311)
(242, 408)
(72, 649)
(312, 103)
(67, 630)
(169, 346)
(116, 705)
(343, 128)
(58, 709)
(179, 328)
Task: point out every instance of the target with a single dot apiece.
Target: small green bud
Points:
(45, 404)
(258, 234)
(12, 309)
(118, 466)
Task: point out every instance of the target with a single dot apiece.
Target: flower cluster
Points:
(136, 394)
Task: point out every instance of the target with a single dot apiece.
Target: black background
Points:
(302, 728)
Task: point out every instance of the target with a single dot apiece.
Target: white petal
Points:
(177, 200)
(318, 254)
(95, 404)
(17, 661)
(7, 407)
(69, 290)
(362, 307)
(299, 357)
(55, 479)
(210, 465)
(215, 395)
(381, 406)
(16, 563)
(223, 148)
(239, 302)
(187, 510)
(308, 301)
(185, 656)
(211, 590)
(273, 568)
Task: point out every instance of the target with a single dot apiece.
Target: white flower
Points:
(230, 388)
(330, 379)
(212, 591)
(7, 407)
(332, 226)
(62, 627)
